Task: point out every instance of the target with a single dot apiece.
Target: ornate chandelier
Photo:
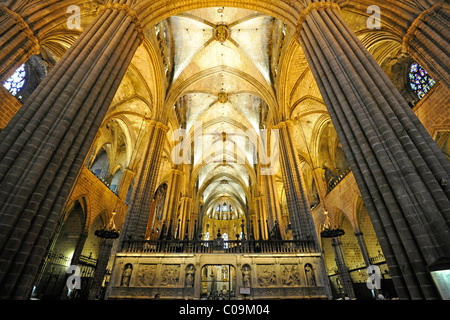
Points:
(328, 231)
(108, 231)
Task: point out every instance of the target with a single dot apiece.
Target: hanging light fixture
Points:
(108, 231)
(329, 231)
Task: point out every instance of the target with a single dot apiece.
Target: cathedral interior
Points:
(215, 150)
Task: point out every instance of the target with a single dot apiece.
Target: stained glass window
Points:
(16, 82)
(419, 80)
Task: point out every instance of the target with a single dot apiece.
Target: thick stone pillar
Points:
(321, 184)
(136, 220)
(400, 170)
(44, 146)
(346, 280)
(300, 216)
(170, 213)
(428, 41)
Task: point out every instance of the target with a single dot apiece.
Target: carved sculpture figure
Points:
(126, 275)
(310, 277)
(246, 276)
(190, 276)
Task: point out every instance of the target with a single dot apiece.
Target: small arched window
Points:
(419, 80)
(16, 82)
(115, 180)
(100, 167)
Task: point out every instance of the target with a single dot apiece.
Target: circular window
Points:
(16, 82)
(419, 80)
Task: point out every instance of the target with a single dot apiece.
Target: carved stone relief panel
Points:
(170, 275)
(266, 275)
(146, 275)
(290, 275)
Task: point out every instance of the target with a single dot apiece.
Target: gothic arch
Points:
(261, 90)
(286, 12)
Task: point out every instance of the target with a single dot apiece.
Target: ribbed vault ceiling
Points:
(221, 75)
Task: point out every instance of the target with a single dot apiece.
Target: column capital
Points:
(177, 172)
(158, 125)
(284, 124)
(25, 27)
(419, 21)
(129, 12)
(127, 169)
(314, 6)
(318, 169)
(358, 233)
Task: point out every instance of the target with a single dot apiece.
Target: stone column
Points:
(193, 226)
(346, 280)
(185, 211)
(261, 217)
(124, 184)
(428, 41)
(75, 258)
(362, 245)
(273, 209)
(319, 178)
(100, 269)
(300, 216)
(170, 213)
(364, 252)
(136, 220)
(400, 170)
(44, 146)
